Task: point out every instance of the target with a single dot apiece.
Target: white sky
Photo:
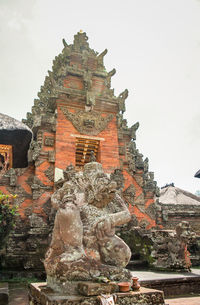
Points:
(154, 46)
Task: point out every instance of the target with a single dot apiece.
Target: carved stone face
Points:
(183, 230)
(89, 123)
(68, 196)
(101, 192)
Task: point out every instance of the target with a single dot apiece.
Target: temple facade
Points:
(76, 117)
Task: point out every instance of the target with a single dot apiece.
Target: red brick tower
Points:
(77, 113)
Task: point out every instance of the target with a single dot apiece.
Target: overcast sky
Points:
(154, 46)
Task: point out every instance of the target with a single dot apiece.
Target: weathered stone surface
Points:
(91, 123)
(129, 194)
(49, 141)
(84, 245)
(90, 288)
(40, 295)
(170, 248)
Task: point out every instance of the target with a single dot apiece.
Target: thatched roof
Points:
(8, 123)
(176, 196)
(17, 134)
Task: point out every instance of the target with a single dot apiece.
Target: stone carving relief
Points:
(13, 177)
(34, 151)
(121, 101)
(146, 165)
(150, 184)
(87, 80)
(49, 141)
(80, 42)
(91, 123)
(118, 177)
(129, 194)
(100, 57)
(133, 130)
(51, 156)
(170, 247)
(108, 78)
(84, 245)
(122, 150)
(49, 172)
(38, 188)
(139, 160)
(132, 154)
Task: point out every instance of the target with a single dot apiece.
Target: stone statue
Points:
(177, 248)
(84, 245)
(92, 156)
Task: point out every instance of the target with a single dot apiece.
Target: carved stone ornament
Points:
(91, 123)
(49, 172)
(129, 194)
(49, 141)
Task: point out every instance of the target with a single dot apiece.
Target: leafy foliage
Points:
(8, 212)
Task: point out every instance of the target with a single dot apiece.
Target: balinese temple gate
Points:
(75, 116)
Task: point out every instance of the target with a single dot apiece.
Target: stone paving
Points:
(18, 294)
(155, 275)
(183, 301)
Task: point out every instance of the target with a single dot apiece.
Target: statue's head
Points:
(69, 172)
(68, 195)
(183, 230)
(100, 189)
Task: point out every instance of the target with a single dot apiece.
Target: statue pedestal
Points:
(40, 294)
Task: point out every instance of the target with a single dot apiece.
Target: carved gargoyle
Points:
(121, 100)
(108, 77)
(100, 58)
(133, 130)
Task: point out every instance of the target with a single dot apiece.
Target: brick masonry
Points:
(79, 82)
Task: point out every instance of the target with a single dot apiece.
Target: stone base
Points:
(40, 294)
(86, 288)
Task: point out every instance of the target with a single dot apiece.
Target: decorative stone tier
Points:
(39, 294)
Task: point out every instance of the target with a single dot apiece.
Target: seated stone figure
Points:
(84, 245)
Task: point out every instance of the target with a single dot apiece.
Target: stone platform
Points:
(39, 294)
(171, 283)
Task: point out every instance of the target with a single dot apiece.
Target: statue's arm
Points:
(121, 217)
(106, 225)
